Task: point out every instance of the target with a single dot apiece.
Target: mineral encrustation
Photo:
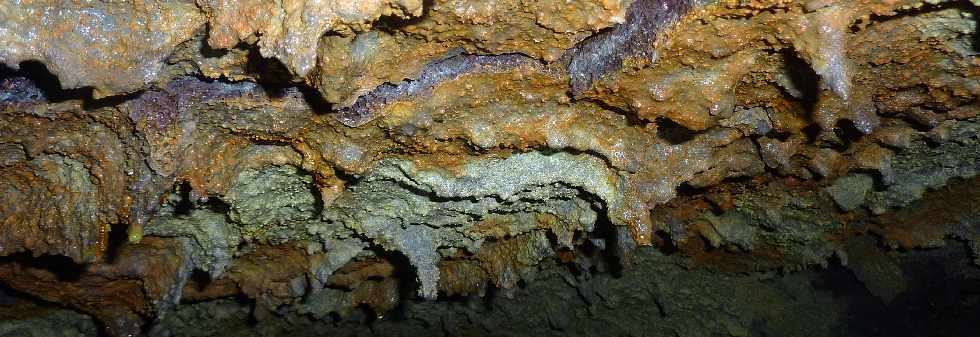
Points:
(474, 167)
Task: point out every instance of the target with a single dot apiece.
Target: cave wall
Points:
(318, 159)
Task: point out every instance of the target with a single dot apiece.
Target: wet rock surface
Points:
(400, 167)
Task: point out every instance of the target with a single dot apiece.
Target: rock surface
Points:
(459, 167)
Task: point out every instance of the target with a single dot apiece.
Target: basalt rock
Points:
(459, 167)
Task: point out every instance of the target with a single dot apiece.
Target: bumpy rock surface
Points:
(461, 167)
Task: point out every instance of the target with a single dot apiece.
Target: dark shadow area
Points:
(243, 300)
(118, 236)
(200, 279)
(33, 83)
(847, 132)
(62, 267)
(812, 133)
(806, 83)
(41, 85)
(315, 100)
(392, 24)
(269, 71)
(408, 285)
(276, 80)
(673, 133)
(216, 205)
(780, 136)
(942, 299)
(184, 205)
(208, 52)
(611, 258)
(686, 190)
(665, 243)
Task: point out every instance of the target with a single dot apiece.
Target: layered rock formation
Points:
(324, 159)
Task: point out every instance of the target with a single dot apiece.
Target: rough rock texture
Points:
(511, 167)
(113, 47)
